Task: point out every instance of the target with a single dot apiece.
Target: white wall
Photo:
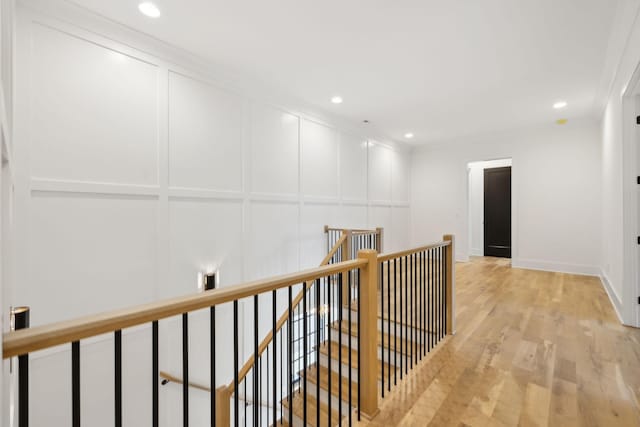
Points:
(476, 202)
(7, 18)
(555, 188)
(619, 169)
(136, 170)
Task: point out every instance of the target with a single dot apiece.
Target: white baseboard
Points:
(616, 302)
(462, 257)
(531, 264)
(476, 252)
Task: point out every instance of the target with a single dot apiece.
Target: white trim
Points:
(556, 267)
(203, 193)
(616, 302)
(630, 286)
(476, 252)
(461, 257)
(90, 187)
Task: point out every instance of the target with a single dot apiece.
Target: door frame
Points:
(629, 307)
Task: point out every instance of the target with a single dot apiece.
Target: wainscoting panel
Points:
(273, 151)
(86, 253)
(205, 135)
(319, 160)
(94, 111)
(353, 167)
(379, 172)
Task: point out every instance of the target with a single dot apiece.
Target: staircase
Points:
(328, 394)
(352, 330)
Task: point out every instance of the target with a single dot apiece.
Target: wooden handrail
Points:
(25, 341)
(171, 378)
(387, 257)
(355, 230)
(246, 368)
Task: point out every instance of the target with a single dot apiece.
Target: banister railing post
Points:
(346, 256)
(450, 274)
(223, 406)
(368, 316)
(380, 233)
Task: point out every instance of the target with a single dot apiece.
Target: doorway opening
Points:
(490, 208)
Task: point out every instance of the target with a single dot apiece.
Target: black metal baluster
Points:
(329, 311)
(318, 282)
(432, 318)
(446, 262)
(349, 353)
(340, 347)
(406, 314)
(155, 375)
(382, 323)
(431, 302)
(419, 305)
(245, 404)
(410, 319)
(290, 358)
(258, 403)
(395, 322)
(212, 362)
(359, 342)
(424, 304)
(281, 335)
(185, 369)
(401, 324)
(442, 292)
(439, 294)
(267, 359)
(437, 282)
(256, 379)
(118, 377)
(275, 369)
(416, 316)
(21, 321)
(388, 326)
(75, 383)
(235, 363)
(304, 353)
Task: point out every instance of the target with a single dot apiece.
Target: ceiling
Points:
(438, 69)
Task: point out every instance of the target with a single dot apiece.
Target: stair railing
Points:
(347, 340)
(254, 364)
(415, 311)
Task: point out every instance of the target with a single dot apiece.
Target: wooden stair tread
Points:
(385, 316)
(387, 343)
(298, 410)
(312, 377)
(281, 423)
(324, 349)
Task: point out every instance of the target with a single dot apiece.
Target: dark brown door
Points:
(497, 212)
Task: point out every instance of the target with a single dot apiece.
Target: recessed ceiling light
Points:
(336, 100)
(408, 135)
(149, 9)
(560, 104)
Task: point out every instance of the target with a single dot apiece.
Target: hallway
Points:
(532, 348)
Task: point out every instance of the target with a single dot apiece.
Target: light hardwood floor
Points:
(532, 349)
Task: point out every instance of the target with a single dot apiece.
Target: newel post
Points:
(380, 233)
(450, 274)
(223, 406)
(346, 256)
(368, 315)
